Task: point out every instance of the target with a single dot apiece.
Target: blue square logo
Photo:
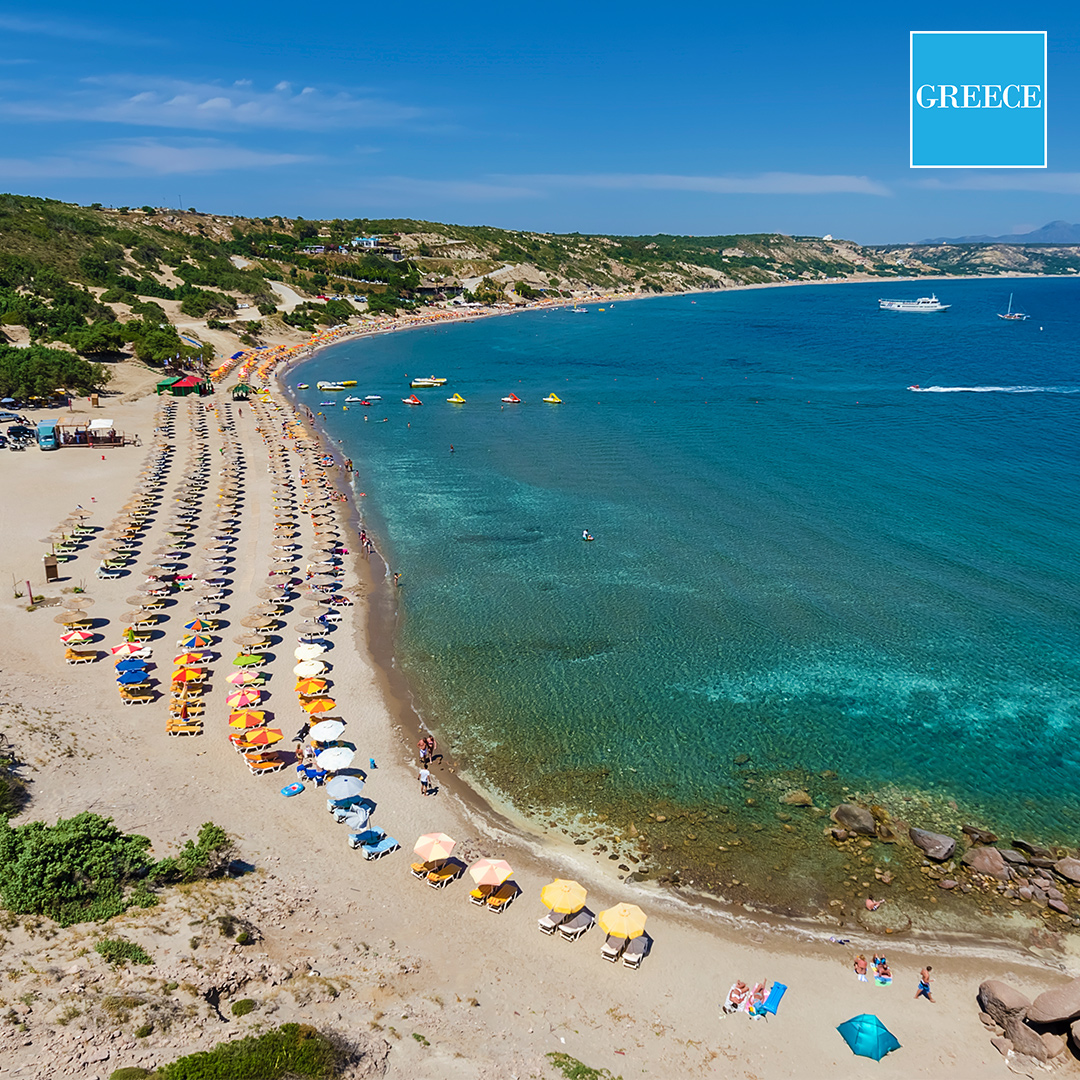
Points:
(978, 99)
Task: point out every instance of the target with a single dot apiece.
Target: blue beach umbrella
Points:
(130, 665)
(868, 1036)
(130, 678)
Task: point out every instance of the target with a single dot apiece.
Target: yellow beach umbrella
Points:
(308, 687)
(188, 674)
(624, 920)
(565, 897)
(318, 705)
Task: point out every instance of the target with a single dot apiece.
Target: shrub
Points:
(244, 938)
(119, 952)
(129, 1072)
(243, 1007)
(290, 1050)
(144, 1031)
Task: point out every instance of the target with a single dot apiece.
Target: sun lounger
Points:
(180, 709)
(334, 805)
(107, 575)
(635, 950)
(383, 847)
(137, 699)
(573, 928)
(76, 656)
(183, 729)
(422, 869)
(441, 876)
(549, 923)
(264, 763)
(480, 895)
(368, 836)
(502, 897)
(612, 948)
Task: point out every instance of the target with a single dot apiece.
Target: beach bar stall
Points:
(165, 384)
(241, 391)
(189, 385)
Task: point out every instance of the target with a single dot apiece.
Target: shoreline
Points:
(562, 837)
(361, 947)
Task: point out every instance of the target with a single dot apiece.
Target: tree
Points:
(38, 371)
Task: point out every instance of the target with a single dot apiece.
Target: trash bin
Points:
(52, 568)
(93, 401)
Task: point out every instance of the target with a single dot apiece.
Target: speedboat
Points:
(512, 399)
(327, 402)
(412, 399)
(351, 398)
(553, 399)
(348, 382)
(302, 386)
(430, 380)
(916, 388)
(457, 399)
(330, 386)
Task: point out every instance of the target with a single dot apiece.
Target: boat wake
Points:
(995, 389)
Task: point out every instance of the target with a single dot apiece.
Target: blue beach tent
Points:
(868, 1036)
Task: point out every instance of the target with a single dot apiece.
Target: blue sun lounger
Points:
(383, 847)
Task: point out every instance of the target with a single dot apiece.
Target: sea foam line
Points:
(995, 389)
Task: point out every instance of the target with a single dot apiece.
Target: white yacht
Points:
(924, 303)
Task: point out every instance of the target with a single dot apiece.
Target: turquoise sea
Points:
(798, 562)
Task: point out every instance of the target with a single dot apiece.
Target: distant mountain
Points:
(1057, 232)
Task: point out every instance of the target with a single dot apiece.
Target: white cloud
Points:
(1020, 180)
(771, 183)
(71, 30)
(394, 187)
(145, 157)
(174, 103)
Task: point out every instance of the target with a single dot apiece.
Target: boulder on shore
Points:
(1025, 1040)
(1033, 849)
(1056, 1006)
(1074, 1034)
(977, 835)
(937, 846)
(856, 819)
(1068, 868)
(1002, 1002)
(986, 860)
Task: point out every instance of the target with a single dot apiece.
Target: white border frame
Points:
(911, 100)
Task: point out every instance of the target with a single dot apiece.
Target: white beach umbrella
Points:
(344, 787)
(326, 730)
(308, 651)
(335, 758)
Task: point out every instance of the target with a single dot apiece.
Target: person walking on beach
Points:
(924, 985)
(425, 781)
(425, 753)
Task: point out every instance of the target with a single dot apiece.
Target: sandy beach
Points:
(432, 985)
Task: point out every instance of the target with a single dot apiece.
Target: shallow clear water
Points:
(796, 558)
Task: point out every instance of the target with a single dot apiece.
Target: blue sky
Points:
(623, 118)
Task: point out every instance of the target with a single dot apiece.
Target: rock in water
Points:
(797, 798)
(1056, 1006)
(857, 819)
(1033, 849)
(986, 860)
(1001, 1001)
(936, 845)
(977, 835)
(1068, 868)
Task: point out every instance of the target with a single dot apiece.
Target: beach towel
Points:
(885, 980)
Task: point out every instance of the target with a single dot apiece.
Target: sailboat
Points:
(1013, 316)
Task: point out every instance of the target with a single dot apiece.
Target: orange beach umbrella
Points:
(259, 737)
(247, 718)
(318, 705)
